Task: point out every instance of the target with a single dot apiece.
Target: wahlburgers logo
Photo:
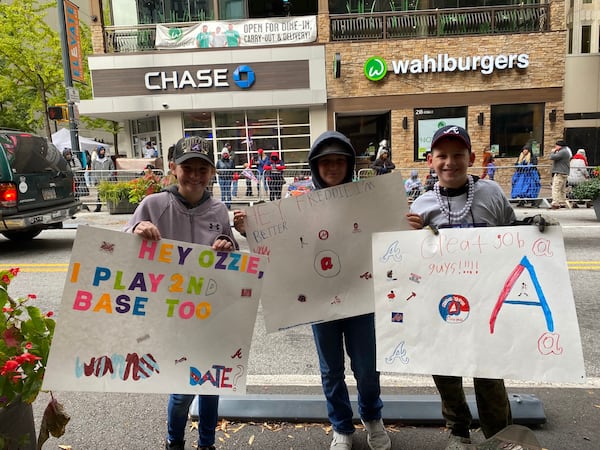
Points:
(375, 68)
(175, 34)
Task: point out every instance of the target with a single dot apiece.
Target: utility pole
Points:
(68, 77)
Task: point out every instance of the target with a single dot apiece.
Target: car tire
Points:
(24, 235)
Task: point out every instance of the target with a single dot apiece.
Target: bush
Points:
(133, 190)
(587, 190)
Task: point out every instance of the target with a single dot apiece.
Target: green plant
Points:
(150, 183)
(133, 190)
(25, 337)
(587, 190)
(113, 191)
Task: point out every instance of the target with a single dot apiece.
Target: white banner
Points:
(481, 302)
(319, 248)
(154, 316)
(245, 33)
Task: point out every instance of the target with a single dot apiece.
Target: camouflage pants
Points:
(493, 406)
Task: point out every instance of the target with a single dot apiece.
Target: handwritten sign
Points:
(154, 316)
(480, 302)
(319, 247)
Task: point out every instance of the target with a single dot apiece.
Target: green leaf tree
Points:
(31, 74)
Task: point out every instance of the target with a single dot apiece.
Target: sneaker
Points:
(457, 442)
(341, 441)
(377, 437)
(174, 445)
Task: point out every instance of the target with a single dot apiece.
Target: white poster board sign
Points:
(154, 317)
(482, 302)
(319, 248)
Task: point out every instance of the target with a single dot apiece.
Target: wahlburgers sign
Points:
(376, 68)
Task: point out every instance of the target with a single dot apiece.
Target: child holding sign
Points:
(461, 200)
(331, 160)
(187, 212)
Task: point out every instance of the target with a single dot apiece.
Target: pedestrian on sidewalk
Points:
(561, 157)
(187, 212)
(103, 169)
(461, 200)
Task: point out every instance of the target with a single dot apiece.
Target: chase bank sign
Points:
(243, 77)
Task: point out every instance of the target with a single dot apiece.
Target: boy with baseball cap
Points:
(462, 200)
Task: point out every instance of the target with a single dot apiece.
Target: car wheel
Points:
(25, 235)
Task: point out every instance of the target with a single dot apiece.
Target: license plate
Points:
(49, 194)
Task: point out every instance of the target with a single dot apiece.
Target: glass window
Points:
(198, 120)
(513, 126)
(427, 121)
(586, 38)
(287, 131)
(230, 119)
(231, 9)
(293, 116)
(142, 131)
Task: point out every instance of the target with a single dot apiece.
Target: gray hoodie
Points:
(330, 142)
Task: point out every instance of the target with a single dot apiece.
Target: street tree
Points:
(31, 76)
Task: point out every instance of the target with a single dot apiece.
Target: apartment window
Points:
(286, 131)
(512, 126)
(586, 38)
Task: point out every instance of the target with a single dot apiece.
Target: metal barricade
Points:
(530, 187)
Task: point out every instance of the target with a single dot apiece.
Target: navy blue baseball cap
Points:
(451, 132)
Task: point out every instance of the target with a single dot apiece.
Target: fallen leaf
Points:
(54, 421)
(251, 440)
(238, 428)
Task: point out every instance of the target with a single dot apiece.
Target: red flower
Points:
(27, 358)
(9, 366)
(32, 296)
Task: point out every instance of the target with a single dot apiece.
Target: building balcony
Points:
(379, 26)
(440, 22)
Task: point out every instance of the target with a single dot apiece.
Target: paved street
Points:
(136, 421)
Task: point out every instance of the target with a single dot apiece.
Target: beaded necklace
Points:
(455, 215)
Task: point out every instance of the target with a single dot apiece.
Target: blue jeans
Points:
(225, 185)
(262, 179)
(358, 335)
(177, 415)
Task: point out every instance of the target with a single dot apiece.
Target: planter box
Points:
(122, 207)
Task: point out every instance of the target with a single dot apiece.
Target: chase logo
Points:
(375, 68)
(244, 77)
(175, 34)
